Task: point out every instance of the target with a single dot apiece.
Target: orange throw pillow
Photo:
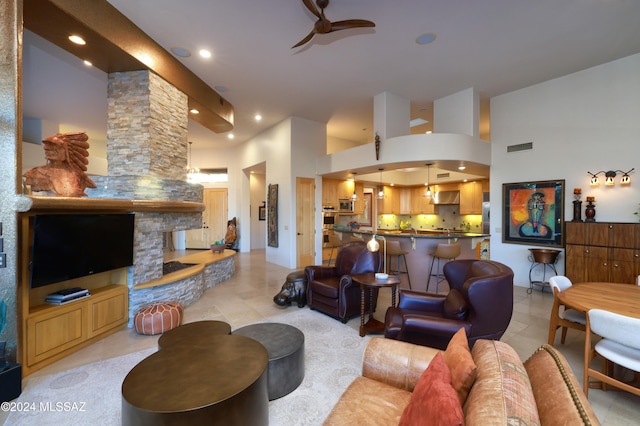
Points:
(433, 401)
(460, 362)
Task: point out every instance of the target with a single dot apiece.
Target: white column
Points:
(458, 113)
(391, 116)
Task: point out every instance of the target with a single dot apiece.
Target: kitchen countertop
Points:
(420, 233)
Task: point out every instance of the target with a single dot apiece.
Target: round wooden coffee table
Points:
(221, 380)
(193, 331)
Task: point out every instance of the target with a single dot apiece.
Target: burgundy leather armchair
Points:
(480, 300)
(331, 290)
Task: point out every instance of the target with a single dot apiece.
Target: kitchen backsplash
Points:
(447, 217)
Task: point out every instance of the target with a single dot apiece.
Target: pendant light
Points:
(428, 193)
(380, 195)
(354, 196)
(191, 170)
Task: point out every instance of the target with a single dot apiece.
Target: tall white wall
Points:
(308, 142)
(258, 227)
(586, 121)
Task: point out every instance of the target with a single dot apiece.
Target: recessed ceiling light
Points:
(429, 132)
(180, 51)
(426, 38)
(258, 117)
(205, 53)
(87, 63)
(462, 167)
(194, 111)
(231, 136)
(77, 40)
(221, 89)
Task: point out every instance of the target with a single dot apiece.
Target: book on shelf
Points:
(63, 301)
(67, 294)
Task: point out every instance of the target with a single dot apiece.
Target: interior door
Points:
(305, 209)
(214, 220)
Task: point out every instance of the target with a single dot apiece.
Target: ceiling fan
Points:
(324, 26)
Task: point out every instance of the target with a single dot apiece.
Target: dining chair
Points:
(568, 318)
(620, 344)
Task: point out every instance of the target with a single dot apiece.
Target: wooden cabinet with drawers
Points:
(604, 251)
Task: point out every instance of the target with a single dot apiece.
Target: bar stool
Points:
(443, 251)
(394, 249)
(335, 243)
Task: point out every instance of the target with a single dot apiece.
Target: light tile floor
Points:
(248, 297)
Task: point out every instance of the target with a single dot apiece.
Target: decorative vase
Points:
(590, 212)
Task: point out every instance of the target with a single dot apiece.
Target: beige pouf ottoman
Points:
(158, 318)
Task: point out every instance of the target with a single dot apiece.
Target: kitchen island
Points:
(419, 245)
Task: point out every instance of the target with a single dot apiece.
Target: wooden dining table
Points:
(620, 298)
(623, 299)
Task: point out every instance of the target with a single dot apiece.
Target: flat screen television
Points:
(67, 246)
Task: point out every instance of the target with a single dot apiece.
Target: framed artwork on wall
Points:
(365, 218)
(272, 223)
(533, 213)
(262, 212)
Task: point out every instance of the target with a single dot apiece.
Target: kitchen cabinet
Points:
(335, 189)
(358, 205)
(607, 252)
(471, 198)
(390, 204)
(345, 189)
(405, 200)
(330, 192)
(419, 203)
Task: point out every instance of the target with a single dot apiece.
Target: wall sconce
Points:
(610, 177)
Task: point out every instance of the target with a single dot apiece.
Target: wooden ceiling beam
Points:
(115, 44)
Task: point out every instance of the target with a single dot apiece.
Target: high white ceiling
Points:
(496, 46)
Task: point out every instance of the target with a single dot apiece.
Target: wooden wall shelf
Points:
(75, 204)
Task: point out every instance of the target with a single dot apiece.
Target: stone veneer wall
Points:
(186, 291)
(147, 126)
(147, 158)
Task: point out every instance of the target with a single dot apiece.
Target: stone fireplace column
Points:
(147, 157)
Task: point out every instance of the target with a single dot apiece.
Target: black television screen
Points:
(67, 246)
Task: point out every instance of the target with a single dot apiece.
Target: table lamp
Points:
(373, 246)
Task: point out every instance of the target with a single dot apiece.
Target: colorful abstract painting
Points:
(533, 213)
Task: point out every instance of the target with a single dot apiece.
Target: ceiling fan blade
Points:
(351, 23)
(305, 40)
(311, 7)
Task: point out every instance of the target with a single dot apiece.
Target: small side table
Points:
(546, 258)
(368, 281)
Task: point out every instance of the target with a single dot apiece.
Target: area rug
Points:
(90, 395)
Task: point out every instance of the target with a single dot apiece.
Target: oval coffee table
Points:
(222, 380)
(285, 346)
(192, 332)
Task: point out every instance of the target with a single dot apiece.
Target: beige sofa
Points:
(542, 390)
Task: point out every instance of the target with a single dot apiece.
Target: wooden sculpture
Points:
(64, 174)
